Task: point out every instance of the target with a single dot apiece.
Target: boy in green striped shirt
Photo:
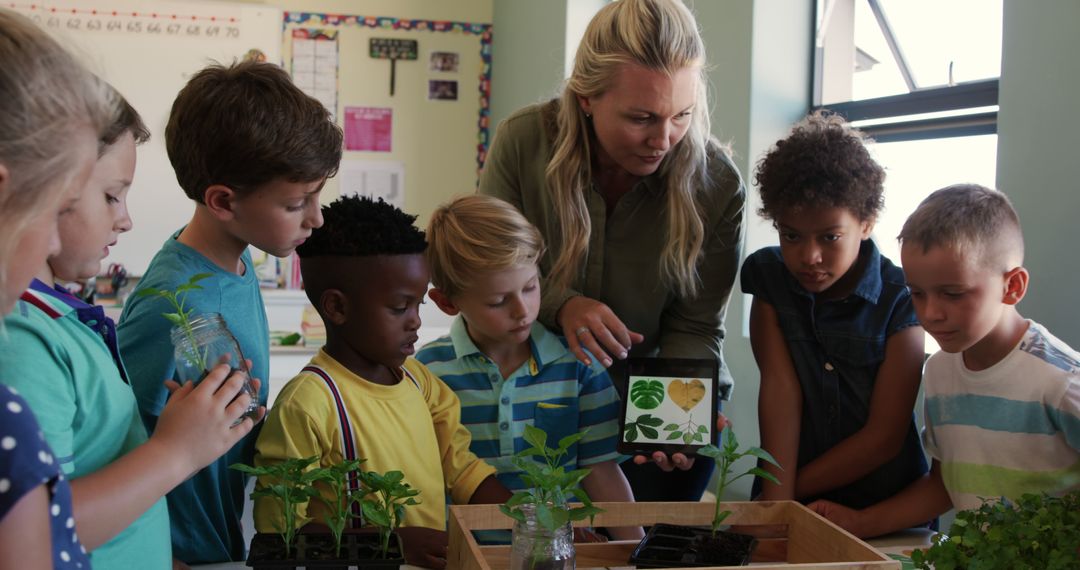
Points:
(506, 368)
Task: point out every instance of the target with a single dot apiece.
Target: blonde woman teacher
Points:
(641, 207)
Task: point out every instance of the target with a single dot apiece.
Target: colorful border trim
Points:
(388, 23)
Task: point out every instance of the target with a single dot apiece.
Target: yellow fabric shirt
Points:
(405, 427)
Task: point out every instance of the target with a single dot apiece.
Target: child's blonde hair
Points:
(45, 96)
(978, 222)
(477, 234)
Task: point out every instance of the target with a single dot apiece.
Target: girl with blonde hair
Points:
(51, 112)
(641, 207)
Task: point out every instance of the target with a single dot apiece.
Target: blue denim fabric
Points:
(837, 347)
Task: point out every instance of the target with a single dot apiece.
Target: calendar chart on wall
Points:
(148, 50)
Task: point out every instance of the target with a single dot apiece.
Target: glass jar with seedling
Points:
(543, 538)
(201, 342)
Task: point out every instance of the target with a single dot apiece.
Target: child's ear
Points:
(867, 227)
(443, 302)
(219, 200)
(1016, 284)
(334, 305)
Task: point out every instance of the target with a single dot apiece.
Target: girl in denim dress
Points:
(832, 326)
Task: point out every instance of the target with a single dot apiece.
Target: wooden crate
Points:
(797, 537)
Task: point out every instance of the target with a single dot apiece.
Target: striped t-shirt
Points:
(1010, 429)
(552, 391)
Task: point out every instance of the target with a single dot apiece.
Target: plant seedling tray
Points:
(674, 546)
(798, 538)
(316, 550)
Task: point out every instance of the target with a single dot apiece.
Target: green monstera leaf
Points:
(647, 394)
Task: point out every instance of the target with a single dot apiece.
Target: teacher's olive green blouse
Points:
(622, 268)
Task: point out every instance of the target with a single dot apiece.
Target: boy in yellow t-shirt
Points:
(362, 396)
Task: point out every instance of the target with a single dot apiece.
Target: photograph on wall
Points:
(442, 90)
(443, 61)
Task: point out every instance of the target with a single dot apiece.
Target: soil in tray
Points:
(317, 551)
(671, 546)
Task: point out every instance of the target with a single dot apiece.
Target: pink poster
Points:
(368, 128)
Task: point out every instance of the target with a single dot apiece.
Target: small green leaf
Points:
(674, 435)
(687, 437)
(174, 318)
(535, 436)
(631, 433)
(671, 427)
(764, 475)
(699, 437)
(703, 429)
(649, 432)
(650, 421)
(762, 454)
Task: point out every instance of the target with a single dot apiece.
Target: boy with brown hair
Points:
(1002, 407)
(362, 396)
(253, 152)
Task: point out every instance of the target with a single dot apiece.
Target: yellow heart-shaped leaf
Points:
(686, 395)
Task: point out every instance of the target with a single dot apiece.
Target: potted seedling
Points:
(383, 504)
(542, 535)
(290, 483)
(340, 502)
(1034, 532)
(200, 342)
(671, 546)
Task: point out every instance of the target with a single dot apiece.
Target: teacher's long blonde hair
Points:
(659, 35)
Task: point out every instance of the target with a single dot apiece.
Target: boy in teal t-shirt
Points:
(253, 152)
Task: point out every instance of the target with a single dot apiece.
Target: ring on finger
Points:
(581, 330)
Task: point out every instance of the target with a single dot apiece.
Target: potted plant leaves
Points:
(290, 483)
(201, 342)
(383, 499)
(1034, 532)
(675, 546)
(383, 504)
(339, 503)
(543, 538)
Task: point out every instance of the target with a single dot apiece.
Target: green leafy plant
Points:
(384, 502)
(291, 483)
(646, 424)
(647, 394)
(550, 485)
(181, 317)
(339, 504)
(725, 457)
(1034, 532)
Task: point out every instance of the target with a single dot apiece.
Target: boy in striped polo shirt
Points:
(507, 369)
(1003, 395)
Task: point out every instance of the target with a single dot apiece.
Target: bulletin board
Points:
(148, 49)
(427, 141)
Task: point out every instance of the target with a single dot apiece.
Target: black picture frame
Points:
(668, 371)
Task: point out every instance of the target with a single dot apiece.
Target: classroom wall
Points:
(434, 140)
(1037, 130)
